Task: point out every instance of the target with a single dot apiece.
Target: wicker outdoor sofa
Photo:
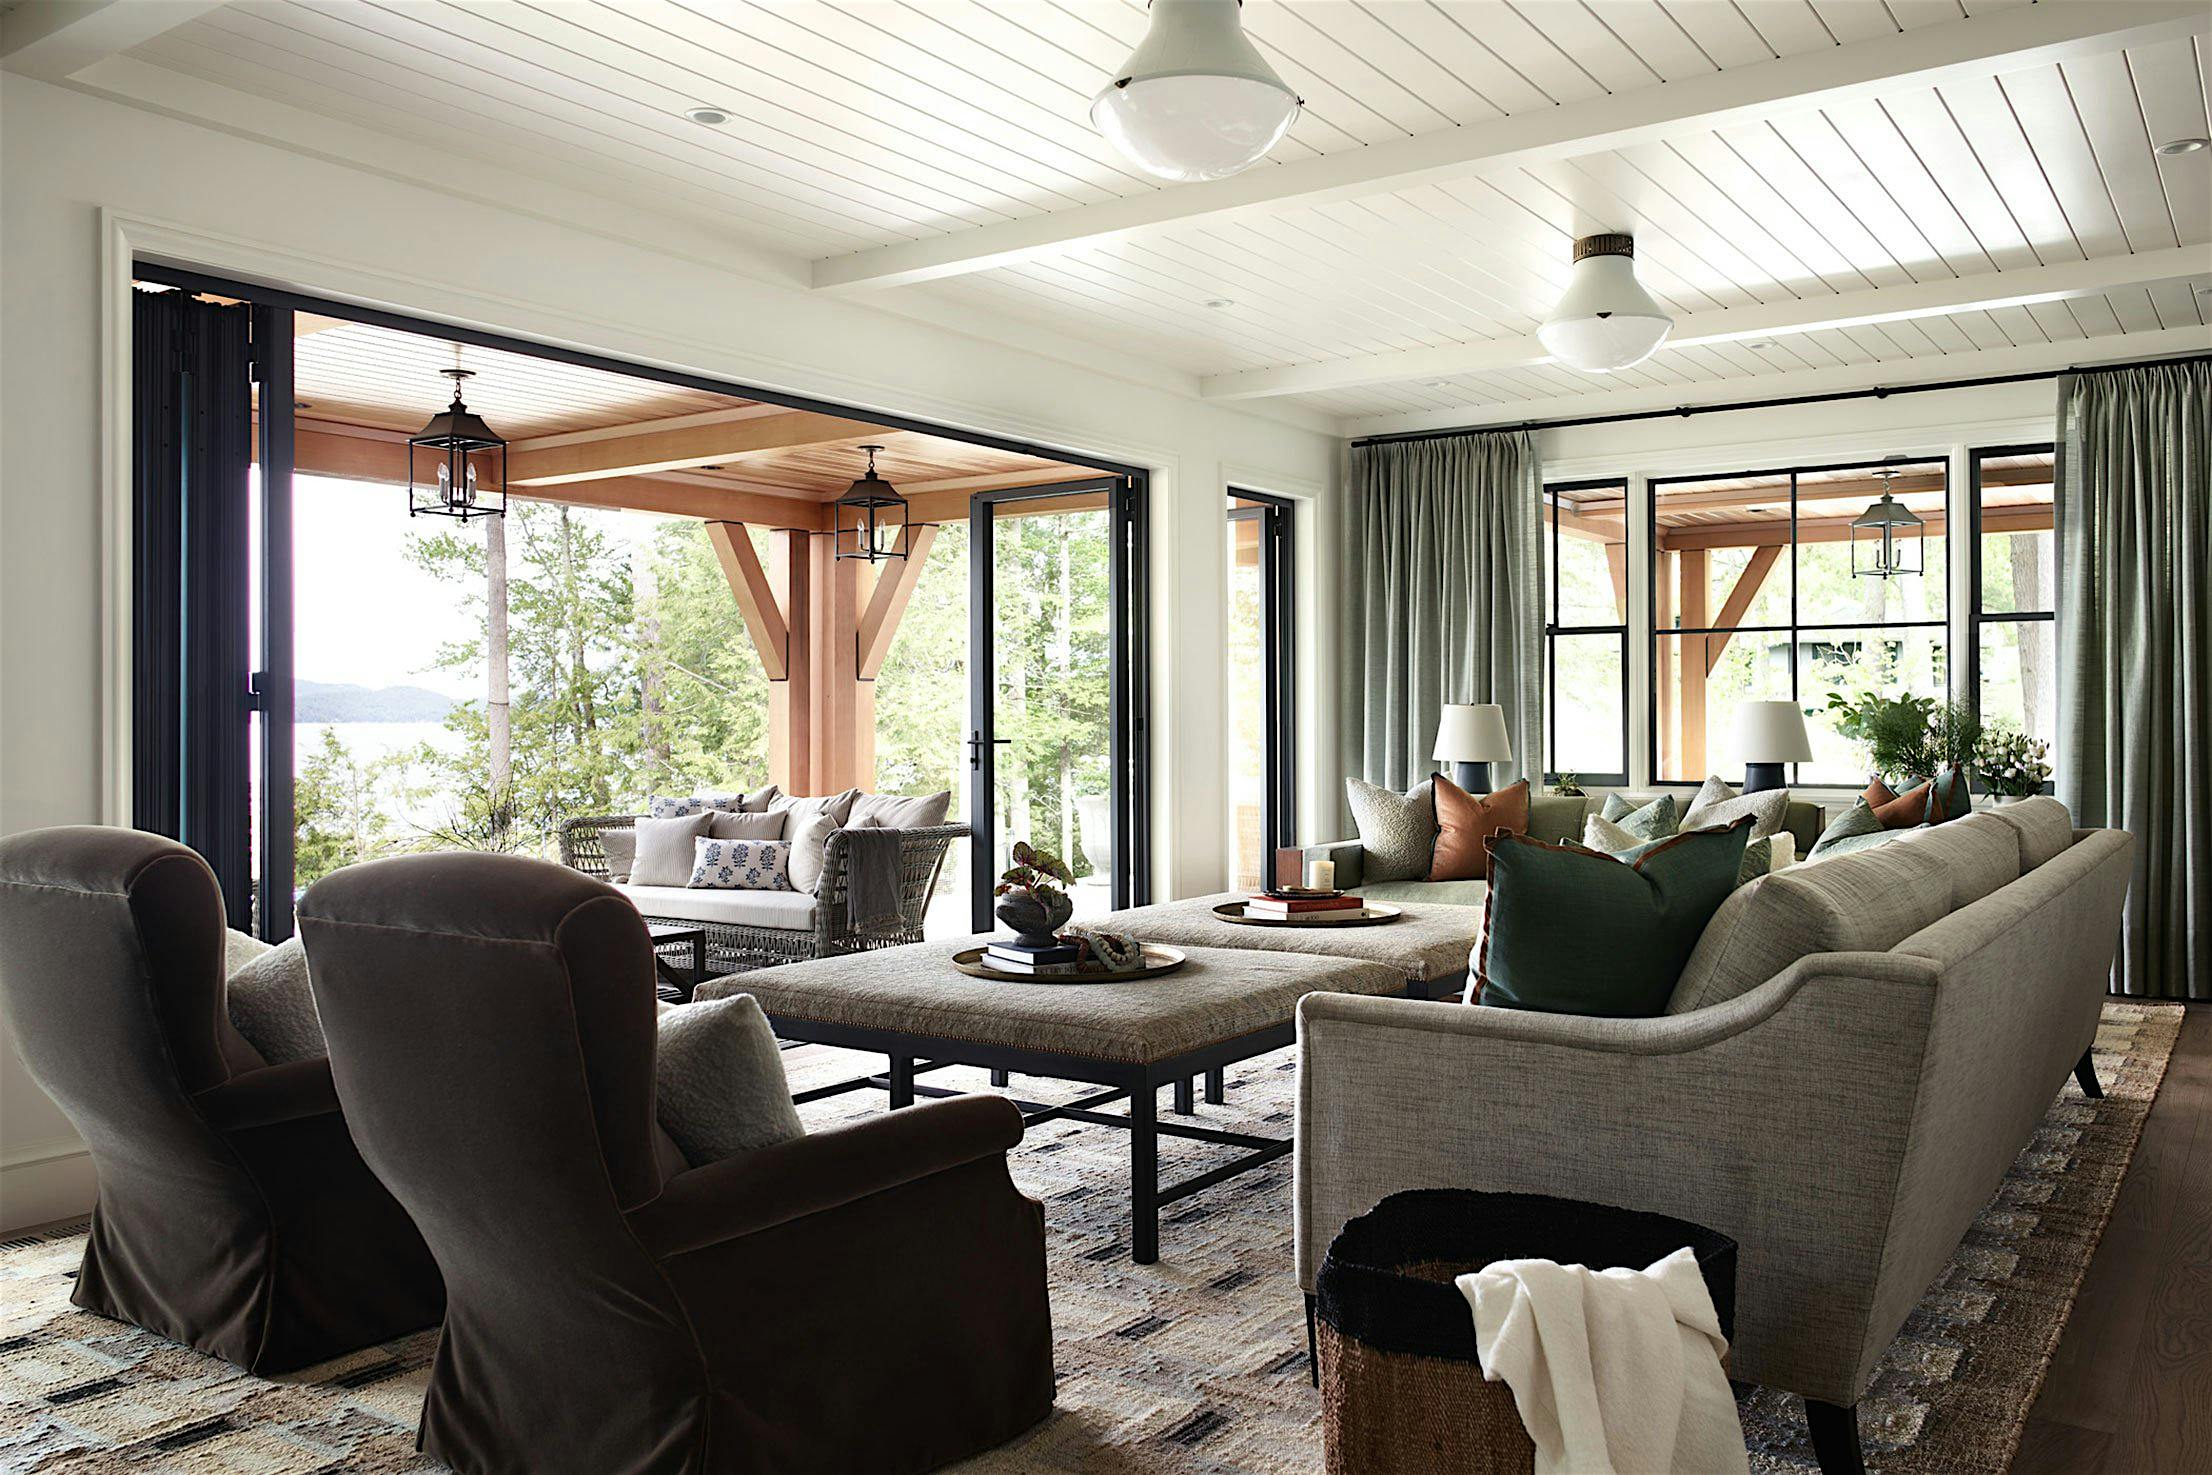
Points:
(818, 926)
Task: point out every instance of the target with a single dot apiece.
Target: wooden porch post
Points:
(1694, 582)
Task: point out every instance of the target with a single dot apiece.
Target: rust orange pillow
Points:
(1464, 821)
(1898, 811)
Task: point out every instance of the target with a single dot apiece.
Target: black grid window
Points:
(1586, 631)
(2012, 653)
(1755, 596)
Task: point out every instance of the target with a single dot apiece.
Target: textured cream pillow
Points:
(1718, 804)
(1600, 833)
(719, 1085)
(271, 1005)
(1397, 832)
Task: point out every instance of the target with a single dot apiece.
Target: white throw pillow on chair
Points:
(719, 1081)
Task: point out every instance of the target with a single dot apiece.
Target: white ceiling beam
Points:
(2021, 37)
(54, 40)
(2036, 358)
(2017, 288)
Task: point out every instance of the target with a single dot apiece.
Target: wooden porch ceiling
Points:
(586, 437)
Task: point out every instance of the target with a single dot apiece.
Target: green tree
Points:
(346, 811)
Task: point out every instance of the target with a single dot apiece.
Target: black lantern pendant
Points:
(1887, 540)
(456, 467)
(865, 514)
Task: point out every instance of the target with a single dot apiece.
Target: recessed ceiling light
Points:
(2173, 146)
(1760, 343)
(1218, 303)
(1434, 383)
(301, 404)
(712, 117)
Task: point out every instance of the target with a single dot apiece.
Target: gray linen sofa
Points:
(1858, 1049)
(1551, 817)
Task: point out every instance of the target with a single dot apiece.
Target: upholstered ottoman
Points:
(911, 1005)
(1428, 944)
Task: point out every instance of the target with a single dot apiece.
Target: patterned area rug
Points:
(1194, 1366)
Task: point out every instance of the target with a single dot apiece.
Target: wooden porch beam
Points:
(887, 602)
(1863, 486)
(537, 465)
(356, 453)
(756, 598)
(1746, 588)
(2035, 517)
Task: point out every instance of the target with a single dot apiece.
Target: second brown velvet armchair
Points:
(870, 1298)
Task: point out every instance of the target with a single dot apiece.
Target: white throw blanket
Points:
(1615, 1372)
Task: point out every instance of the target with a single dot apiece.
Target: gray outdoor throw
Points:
(872, 876)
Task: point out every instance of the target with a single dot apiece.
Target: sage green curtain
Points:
(2134, 528)
(1444, 563)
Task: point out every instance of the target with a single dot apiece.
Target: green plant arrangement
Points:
(1033, 895)
(1892, 730)
(2011, 764)
(1569, 785)
(1908, 737)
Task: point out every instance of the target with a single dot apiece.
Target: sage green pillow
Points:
(1573, 931)
(1857, 828)
(1655, 821)
(1758, 856)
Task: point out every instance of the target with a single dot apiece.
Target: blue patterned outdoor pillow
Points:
(665, 806)
(741, 865)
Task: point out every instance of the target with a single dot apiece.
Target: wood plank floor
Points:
(2130, 1389)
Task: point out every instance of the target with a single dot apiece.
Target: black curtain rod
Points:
(1685, 411)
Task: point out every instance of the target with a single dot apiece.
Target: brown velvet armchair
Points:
(870, 1298)
(234, 1214)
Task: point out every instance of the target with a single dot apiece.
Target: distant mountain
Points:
(316, 701)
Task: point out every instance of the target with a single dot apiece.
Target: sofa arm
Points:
(1349, 856)
(1779, 1118)
(824, 1170)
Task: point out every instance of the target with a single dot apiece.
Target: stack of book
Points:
(1299, 906)
(1009, 956)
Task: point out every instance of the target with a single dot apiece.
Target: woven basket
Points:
(1402, 1392)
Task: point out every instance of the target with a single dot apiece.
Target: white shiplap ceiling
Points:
(937, 154)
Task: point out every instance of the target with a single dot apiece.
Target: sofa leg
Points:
(2085, 1071)
(1313, 1345)
(1835, 1438)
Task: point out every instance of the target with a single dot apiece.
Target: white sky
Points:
(361, 612)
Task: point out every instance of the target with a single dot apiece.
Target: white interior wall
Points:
(87, 181)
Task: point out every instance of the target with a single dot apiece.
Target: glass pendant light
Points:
(1196, 100)
(1606, 320)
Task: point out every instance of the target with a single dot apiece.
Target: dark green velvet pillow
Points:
(1569, 930)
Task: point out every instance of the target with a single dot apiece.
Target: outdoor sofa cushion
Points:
(899, 812)
(791, 911)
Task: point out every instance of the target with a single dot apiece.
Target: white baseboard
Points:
(41, 1186)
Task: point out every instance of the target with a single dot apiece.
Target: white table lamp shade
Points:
(1472, 734)
(1772, 732)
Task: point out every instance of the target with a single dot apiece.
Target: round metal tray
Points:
(1157, 960)
(1373, 915)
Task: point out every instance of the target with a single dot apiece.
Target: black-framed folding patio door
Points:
(1056, 686)
(1263, 725)
(211, 618)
